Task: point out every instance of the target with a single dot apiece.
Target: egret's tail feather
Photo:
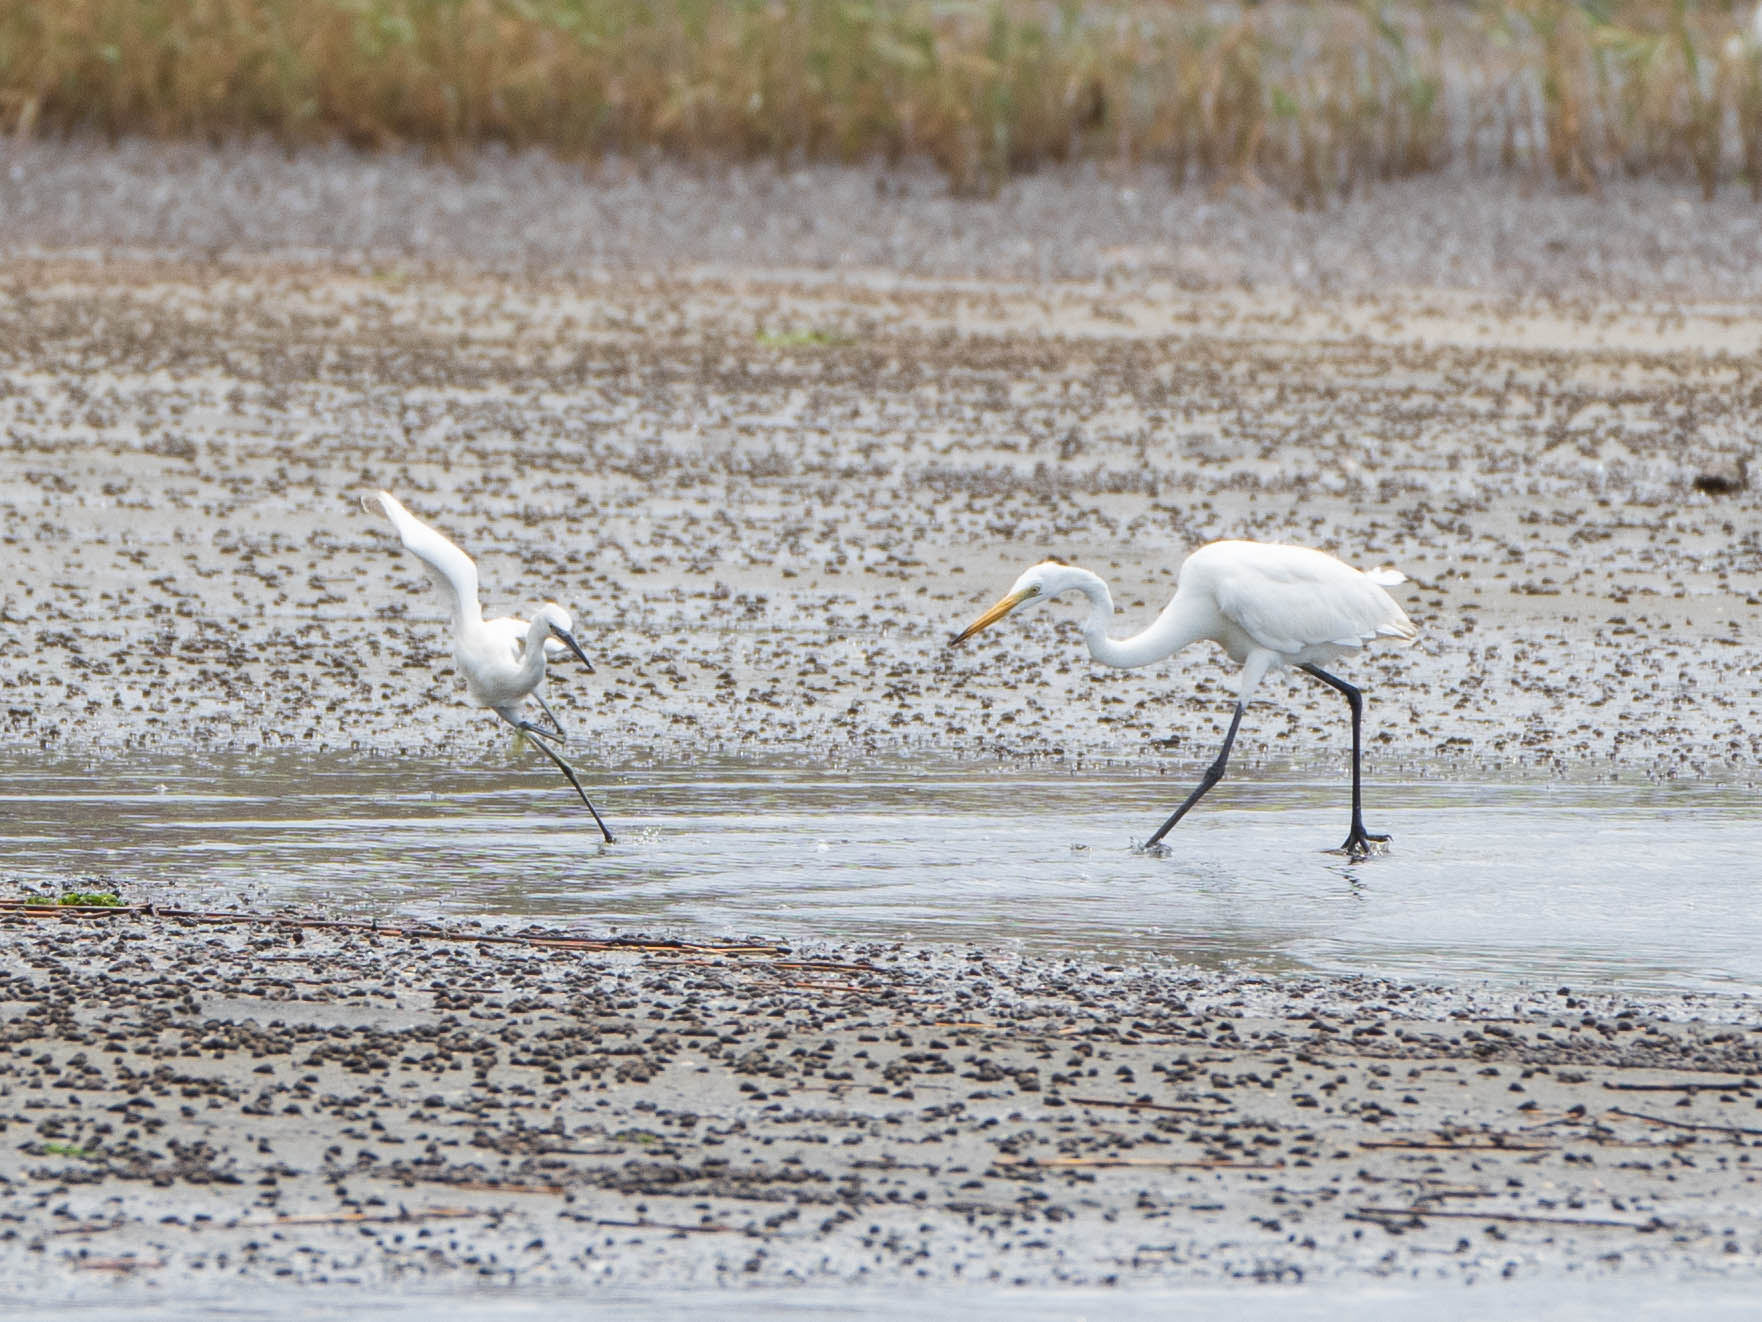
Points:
(1385, 576)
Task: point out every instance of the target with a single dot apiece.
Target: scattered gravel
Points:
(273, 1105)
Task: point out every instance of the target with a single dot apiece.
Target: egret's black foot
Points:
(1363, 844)
(1152, 849)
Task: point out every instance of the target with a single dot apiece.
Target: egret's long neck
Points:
(1168, 633)
(532, 656)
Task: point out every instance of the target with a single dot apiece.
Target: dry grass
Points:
(1313, 98)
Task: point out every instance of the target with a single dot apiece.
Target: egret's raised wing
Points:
(450, 568)
(1287, 598)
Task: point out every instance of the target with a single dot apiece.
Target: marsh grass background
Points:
(1313, 99)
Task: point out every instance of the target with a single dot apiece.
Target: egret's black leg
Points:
(539, 732)
(556, 725)
(1213, 774)
(1359, 842)
(527, 727)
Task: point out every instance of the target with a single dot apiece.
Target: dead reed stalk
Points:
(1316, 98)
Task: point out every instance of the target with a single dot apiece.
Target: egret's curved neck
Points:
(1172, 630)
(532, 657)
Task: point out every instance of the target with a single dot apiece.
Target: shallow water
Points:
(1635, 887)
(1556, 1299)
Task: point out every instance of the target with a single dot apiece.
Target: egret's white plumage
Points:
(503, 660)
(1267, 606)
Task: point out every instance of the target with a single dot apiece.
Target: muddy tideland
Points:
(196, 1101)
(773, 437)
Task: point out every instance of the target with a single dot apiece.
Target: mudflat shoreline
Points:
(286, 1102)
(772, 439)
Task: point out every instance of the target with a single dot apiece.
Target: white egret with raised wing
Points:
(1267, 606)
(502, 660)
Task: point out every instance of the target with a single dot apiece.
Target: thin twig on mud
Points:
(679, 1226)
(1521, 1218)
(1079, 1163)
(356, 1218)
(117, 1264)
(1742, 1085)
(37, 911)
(1734, 1130)
(1147, 1106)
(1446, 1145)
(296, 1219)
(826, 966)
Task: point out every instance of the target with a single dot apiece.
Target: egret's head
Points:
(559, 623)
(1038, 583)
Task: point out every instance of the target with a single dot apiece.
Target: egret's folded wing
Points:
(1287, 604)
(512, 630)
(450, 568)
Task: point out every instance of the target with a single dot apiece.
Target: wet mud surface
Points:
(1119, 226)
(770, 500)
(194, 1102)
(772, 442)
